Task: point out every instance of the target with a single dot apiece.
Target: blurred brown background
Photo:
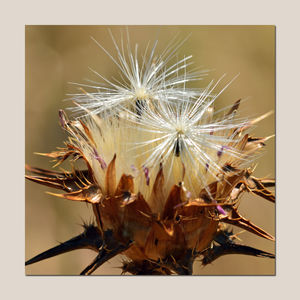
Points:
(56, 55)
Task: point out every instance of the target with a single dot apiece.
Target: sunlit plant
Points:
(164, 170)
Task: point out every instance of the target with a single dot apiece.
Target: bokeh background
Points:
(56, 55)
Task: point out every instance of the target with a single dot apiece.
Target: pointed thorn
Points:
(89, 239)
(231, 248)
(103, 256)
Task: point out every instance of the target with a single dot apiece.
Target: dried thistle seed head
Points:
(163, 178)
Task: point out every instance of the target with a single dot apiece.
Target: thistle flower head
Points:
(164, 170)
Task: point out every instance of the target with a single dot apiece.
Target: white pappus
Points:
(191, 140)
(148, 77)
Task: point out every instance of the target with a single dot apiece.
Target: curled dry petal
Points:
(157, 197)
(91, 194)
(239, 221)
(110, 177)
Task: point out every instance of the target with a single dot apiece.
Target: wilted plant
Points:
(164, 171)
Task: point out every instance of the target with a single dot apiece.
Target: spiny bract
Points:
(164, 171)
